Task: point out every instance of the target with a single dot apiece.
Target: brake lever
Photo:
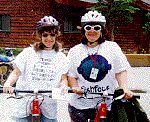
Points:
(16, 97)
(50, 96)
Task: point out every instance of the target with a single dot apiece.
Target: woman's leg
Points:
(45, 119)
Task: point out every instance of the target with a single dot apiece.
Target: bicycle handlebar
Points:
(33, 91)
(101, 94)
(134, 96)
(69, 91)
(1, 89)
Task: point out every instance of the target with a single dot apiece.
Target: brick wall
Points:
(24, 15)
(130, 36)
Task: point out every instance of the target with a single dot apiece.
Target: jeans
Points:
(29, 119)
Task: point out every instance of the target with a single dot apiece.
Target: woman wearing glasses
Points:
(96, 65)
(41, 67)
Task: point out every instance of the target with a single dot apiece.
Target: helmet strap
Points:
(92, 43)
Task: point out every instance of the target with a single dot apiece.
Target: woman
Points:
(96, 65)
(40, 66)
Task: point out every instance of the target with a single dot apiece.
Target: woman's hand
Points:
(64, 89)
(78, 91)
(128, 94)
(7, 88)
(73, 84)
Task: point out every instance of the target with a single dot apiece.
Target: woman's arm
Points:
(122, 81)
(64, 80)
(14, 75)
(72, 82)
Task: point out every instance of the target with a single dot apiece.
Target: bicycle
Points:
(6, 66)
(35, 104)
(102, 107)
(5, 69)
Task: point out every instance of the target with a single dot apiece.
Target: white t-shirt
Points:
(41, 70)
(106, 59)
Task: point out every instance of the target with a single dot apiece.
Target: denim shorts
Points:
(29, 119)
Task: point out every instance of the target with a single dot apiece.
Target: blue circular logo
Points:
(100, 63)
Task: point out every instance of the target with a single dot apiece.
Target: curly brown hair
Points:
(39, 45)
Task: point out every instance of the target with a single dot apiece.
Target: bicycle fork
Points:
(101, 114)
(35, 110)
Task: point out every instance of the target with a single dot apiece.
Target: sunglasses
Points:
(47, 34)
(95, 27)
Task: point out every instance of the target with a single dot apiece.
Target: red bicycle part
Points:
(101, 114)
(35, 108)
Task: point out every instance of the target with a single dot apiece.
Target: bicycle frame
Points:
(35, 110)
(5, 69)
(101, 114)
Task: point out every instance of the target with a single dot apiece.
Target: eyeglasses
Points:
(46, 34)
(95, 27)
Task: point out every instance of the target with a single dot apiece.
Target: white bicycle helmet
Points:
(93, 16)
(47, 21)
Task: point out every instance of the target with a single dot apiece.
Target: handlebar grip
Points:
(1, 89)
(136, 96)
(70, 91)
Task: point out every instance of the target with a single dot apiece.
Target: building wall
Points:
(24, 15)
(130, 36)
(69, 39)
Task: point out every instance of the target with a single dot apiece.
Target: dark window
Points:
(71, 23)
(5, 23)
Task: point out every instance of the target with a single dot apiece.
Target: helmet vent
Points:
(93, 16)
(47, 21)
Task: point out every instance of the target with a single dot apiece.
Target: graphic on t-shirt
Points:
(95, 89)
(43, 70)
(87, 65)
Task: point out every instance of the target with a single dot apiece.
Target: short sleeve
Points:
(21, 59)
(120, 62)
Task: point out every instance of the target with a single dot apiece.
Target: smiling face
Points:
(49, 39)
(92, 36)
(92, 33)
